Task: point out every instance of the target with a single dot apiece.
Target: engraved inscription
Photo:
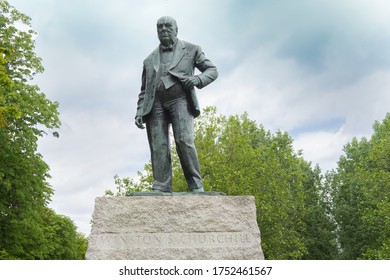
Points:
(177, 240)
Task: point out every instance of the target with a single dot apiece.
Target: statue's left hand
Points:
(138, 122)
(189, 82)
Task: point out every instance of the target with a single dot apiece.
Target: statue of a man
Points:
(168, 97)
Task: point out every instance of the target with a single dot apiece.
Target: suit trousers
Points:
(172, 106)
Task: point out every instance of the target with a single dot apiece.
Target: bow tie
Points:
(167, 48)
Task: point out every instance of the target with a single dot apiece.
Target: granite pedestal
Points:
(180, 227)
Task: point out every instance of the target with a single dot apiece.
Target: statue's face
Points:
(166, 30)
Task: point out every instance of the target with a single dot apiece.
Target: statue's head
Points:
(167, 30)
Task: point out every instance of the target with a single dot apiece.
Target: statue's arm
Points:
(141, 99)
(208, 70)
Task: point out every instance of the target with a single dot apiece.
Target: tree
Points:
(361, 193)
(127, 186)
(62, 239)
(25, 115)
(320, 233)
(239, 157)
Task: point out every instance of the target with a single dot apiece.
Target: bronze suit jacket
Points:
(185, 59)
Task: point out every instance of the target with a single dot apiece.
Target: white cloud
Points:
(322, 147)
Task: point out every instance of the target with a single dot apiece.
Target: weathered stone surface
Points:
(174, 227)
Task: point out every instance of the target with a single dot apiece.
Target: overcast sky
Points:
(318, 69)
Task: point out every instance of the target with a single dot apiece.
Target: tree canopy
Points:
(361, 196)
(28, 229)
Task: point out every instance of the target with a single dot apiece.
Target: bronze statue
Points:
(168, 97)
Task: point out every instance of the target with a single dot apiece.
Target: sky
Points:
(318, 69)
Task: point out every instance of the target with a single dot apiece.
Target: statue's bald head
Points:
(166, 19)
(167, 30)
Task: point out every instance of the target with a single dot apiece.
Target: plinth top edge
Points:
(178, 194)
(175, 196)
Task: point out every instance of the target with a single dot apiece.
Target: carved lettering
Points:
(177, 240)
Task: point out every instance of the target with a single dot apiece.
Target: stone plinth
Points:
(175, 227)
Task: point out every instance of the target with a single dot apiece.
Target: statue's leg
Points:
(183, 131)
(157, 125)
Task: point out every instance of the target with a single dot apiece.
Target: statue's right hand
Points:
(138, 122)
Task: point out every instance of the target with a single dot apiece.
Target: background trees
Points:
(28, 229)
(361, 196)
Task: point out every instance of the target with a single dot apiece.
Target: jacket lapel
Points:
(156, 59)
(178, 54)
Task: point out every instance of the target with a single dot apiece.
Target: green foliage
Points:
(28, 229)
(18, 64)
(320, 235)
(127, 186)
(62, 239)
(361, 187)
